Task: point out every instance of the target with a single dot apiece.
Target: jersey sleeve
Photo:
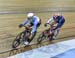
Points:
(25, 22)
(50, 21)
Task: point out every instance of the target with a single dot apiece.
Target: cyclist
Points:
(58, 20)
(34, 22)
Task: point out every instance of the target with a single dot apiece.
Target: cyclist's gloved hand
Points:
(21, 25)
(45, 24)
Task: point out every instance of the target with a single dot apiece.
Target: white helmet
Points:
(29, 15)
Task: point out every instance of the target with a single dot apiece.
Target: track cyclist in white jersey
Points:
(34, 22)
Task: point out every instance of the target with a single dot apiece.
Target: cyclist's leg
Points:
(34, 34)
(50, 35)
(46, 32)
(31, 37)
(56, 32)
(53, 34)
(28, 40)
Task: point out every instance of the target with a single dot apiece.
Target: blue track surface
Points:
(64, 49)
(67, 54)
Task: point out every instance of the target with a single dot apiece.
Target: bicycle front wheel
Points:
(40, 38)
(18, 40)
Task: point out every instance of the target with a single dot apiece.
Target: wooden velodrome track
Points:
(13, 12)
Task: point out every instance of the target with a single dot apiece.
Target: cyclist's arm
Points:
(25, 22)
(50, 21)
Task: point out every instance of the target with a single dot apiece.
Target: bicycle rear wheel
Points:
(18, 40)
